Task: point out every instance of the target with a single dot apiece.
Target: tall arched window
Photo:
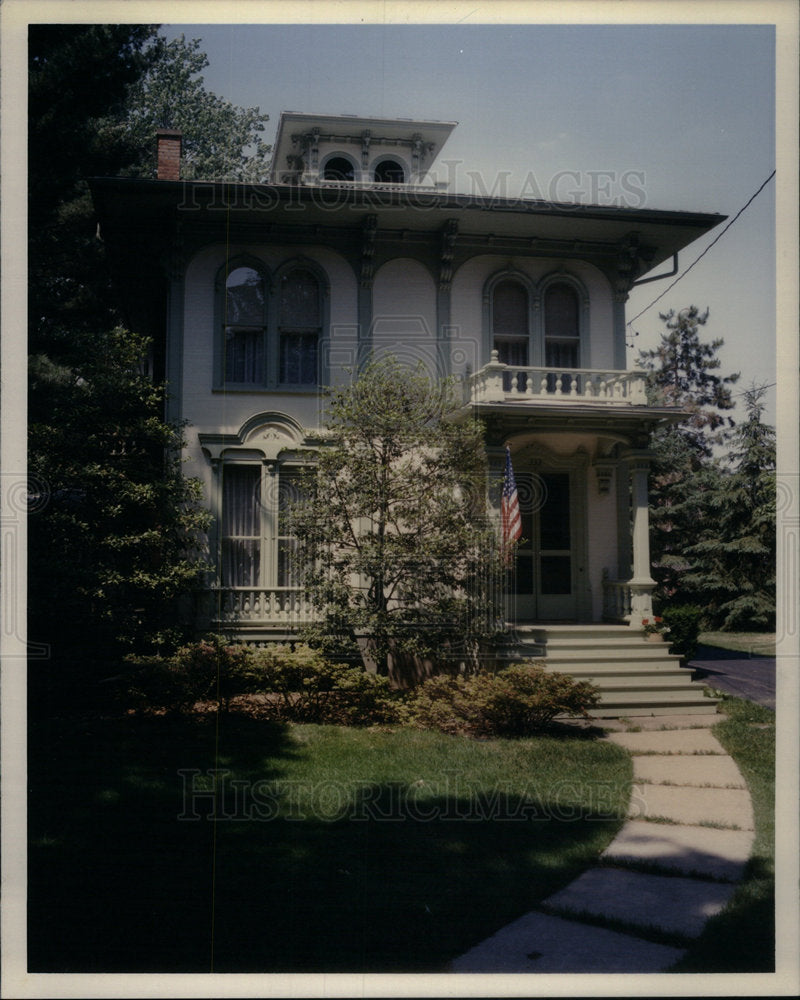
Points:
(510, 333)
(561, 326)
(299, 327)
(244, 326)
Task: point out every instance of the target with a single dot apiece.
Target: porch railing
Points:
(496, 383)
(264, 605)
(627, 600)
(617, 600)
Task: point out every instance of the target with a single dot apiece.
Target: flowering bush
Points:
(655, 625)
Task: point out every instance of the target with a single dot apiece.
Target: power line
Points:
(700, 257)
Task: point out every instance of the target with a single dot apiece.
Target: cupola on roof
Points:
(313, 149)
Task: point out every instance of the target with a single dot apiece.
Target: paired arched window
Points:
(270, 331)
(526, 336)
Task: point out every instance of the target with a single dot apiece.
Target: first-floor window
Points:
(241, 526)
(258, 549)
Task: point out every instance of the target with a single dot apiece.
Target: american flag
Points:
(509, 510)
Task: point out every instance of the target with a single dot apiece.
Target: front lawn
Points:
(752, 643)
(333, 849)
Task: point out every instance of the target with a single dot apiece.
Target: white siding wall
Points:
(404, 313)
(602, 519)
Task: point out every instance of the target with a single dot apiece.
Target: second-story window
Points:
(510, 334)
(244, 326)
(299, 327)
(561, 327)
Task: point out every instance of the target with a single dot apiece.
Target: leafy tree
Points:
(220, 140)
(735, 556)
(394, 539)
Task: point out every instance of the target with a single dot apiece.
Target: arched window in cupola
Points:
(389, 172)
(338, 168)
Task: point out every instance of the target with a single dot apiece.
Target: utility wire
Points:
(698, 259)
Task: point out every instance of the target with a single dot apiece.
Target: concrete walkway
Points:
(665, 873)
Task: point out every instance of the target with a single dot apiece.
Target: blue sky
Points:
(663, 116)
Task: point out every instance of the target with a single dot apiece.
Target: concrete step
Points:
(634, 676)
(583, 646)
(657, 702)
(632, 667)
(639, 682)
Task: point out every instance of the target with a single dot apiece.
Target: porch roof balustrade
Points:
(519, 384)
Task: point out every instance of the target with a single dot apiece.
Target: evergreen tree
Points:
(735, 557)
(115, 549)
(682, 372)
(394, 537)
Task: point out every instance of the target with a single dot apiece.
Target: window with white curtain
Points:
(242, 535)
(258, 549)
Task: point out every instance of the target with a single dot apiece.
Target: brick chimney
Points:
(169, 154)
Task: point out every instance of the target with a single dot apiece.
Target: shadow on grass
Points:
(119, 883)
(742, 937)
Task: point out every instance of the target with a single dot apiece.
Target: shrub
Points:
(303, 686)
(209, 670)
(684, 628)
(518, 701)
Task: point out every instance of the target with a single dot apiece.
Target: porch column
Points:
(641, 584)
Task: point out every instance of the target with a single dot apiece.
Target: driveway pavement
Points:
(751, 677)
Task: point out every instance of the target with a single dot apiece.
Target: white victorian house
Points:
(259, 295)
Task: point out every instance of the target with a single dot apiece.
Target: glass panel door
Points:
(544, 580)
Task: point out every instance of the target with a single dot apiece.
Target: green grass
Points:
(742, 937)
(333, 849)
(752, 643)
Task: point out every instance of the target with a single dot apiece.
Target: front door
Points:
(544, 580)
